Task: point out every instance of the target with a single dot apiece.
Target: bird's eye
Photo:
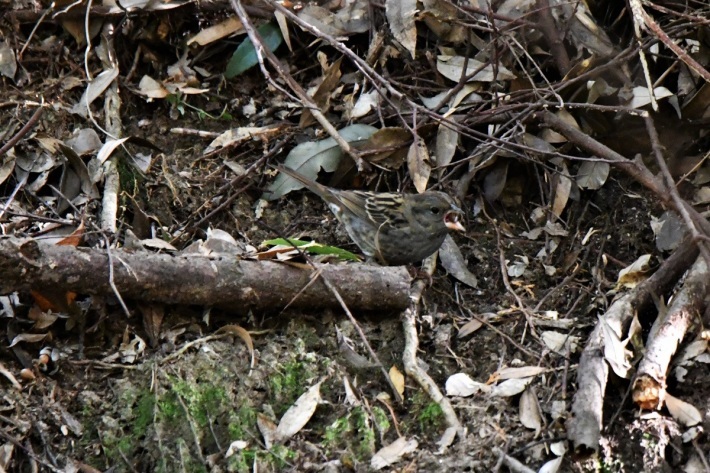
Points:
(435, 210)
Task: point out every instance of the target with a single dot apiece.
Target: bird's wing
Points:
(388, 208)
(351, 202)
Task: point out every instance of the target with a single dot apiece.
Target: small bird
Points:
(390, 228)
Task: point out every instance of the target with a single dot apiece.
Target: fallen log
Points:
(666, 335)
(585, 424)
(227, 283)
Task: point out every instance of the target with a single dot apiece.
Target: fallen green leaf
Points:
(245, 57)
(315, 248)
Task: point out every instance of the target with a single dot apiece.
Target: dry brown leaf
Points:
(331, 78)
(401, 19)
(351, 398)
(635, 273)
(152, 321)
(552, 136)
(557, 341)
(451, 67)
(41, 318)
(75, 238)
(447, 140)
(562, 189)
(615, 352)
(352, 18)
(236, 136)
(453, 262)
(267, 427)
(553, 466)
(77, 28)
(244, 335)
(397, 380)
(131, 348)
(442, 19)
(511, 387)
(469, 327)
(298, 415)
(28, 337)
(10, 377)
(151, 88)
(8, 61)
(52, 300)
(94, 90)
(495, 180)
(419, 165)
(683, 412)
(228, 27)
(592, 174)
(529, 410)
(389, 146)
(283, 26)
(519, 372)
(364, 104)
(393, 452)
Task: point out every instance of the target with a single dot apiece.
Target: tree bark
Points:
(227, 283)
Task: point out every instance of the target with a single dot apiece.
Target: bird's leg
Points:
(419, 273)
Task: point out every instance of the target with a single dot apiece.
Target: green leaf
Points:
(245, 57)
(315, 248)
(308, 158)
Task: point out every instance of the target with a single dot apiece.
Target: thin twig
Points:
(411, 345)
(305, 99)
(504, 275)
(10, 439)
(24, 130)
(111, 281)
(673, 190)
(237, 180)
(363, 337)
(20, 184)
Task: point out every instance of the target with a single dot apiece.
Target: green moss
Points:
(177, 406)
(242, 422)
(382, 422)
(282, 456)
(431, 418)
(202, 400)
(125, 445)
(117, 446)
(353, 432)
(242, 461)
(279, 458)
(145, 412)
(287, 385)
(90, 419)
(365, 432)
(169, 406)
(122, 438)
(336, 432)
(158, 428)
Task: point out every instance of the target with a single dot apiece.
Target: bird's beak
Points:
(452, 221)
